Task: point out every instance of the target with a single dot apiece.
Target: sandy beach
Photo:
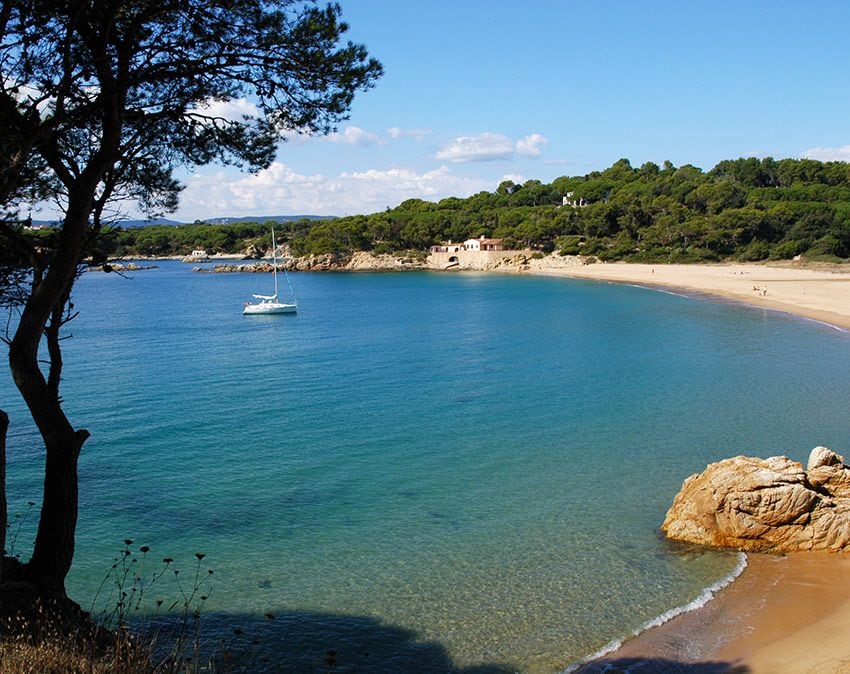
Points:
(818, 294)
(784, 614)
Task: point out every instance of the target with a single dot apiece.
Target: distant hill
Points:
(126, 224)
(133, 224)
(266, 218)
(130, 224)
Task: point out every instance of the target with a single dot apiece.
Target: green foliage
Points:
(100, 102)
(569, 245)
(755, 251)
(746, 209)
(784, 250)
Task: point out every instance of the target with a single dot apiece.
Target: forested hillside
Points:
(746, 209)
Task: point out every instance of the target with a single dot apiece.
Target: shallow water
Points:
(443, 471)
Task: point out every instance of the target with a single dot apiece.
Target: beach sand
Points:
(783, 615)
(787, 614)
(818, 294)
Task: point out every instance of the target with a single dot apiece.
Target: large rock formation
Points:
(766, 504)
(361, 261)
(365, 261)
(501, 261)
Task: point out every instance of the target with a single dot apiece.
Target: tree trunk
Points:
(4, 516)
(54, 544)
(55, 541)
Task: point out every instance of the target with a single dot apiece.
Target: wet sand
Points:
(783, 615)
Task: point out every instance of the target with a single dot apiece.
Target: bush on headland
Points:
(746, 209)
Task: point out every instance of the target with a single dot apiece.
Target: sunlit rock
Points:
(766, 504)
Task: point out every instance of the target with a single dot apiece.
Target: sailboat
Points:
(269, 304)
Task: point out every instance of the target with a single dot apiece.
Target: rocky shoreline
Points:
(326, 262)
(120, 267)
(769, 505)
(510, 261)
(787, 610)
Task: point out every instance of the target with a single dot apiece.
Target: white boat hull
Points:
(270, 308)
(269, 304)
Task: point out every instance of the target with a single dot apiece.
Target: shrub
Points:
(826, 246)
(755, 251)
(784, 250)
(700, 254)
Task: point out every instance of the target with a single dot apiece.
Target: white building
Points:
(575, 203)
(482, 243)
(448, 247)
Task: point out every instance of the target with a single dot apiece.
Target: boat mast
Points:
(274, 264)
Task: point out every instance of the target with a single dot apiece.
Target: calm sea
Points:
(420, 472)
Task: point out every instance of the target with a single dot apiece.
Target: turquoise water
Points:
(443, 471)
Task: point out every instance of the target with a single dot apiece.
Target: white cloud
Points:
(491, 147)
(28, 95)
(417, 134)
(279, 190)
(234, 110)
(354, 135)
(483, 147)
(515, 178)
(532, 145)
(828, 153)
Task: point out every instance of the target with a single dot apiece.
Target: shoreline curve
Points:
(614, 646)
(814, 294)
(780, 613)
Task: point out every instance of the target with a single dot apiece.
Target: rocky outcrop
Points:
(325, 262)
(501, 261)
(119, 267)
(361, 261)
(311, 263)
(505, 261)
(766, 504)
(556, 261)
(365, 261)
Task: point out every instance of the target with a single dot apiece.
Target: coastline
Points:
(814, 294)
(819, 293)
(782, 613)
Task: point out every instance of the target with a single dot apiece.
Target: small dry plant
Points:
(170, 629)
(126, 633)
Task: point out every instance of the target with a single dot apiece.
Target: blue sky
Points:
(476, 92)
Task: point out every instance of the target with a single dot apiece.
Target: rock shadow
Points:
(316, 643)
(659, 666)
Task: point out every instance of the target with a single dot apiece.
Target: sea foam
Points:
(701, 600)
